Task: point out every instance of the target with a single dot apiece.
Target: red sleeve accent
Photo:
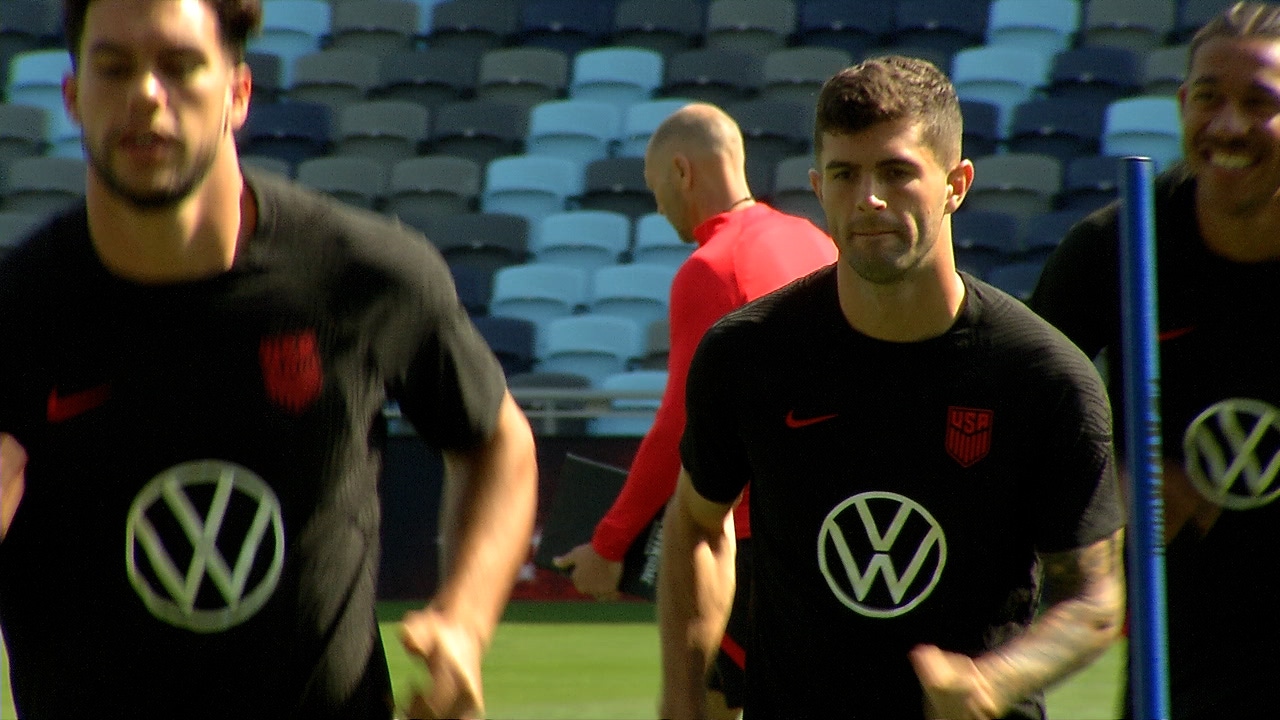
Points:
(699, 296)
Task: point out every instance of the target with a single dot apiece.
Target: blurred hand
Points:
(954, 688)
(592, 574)
(452, 654)
(1184, 504)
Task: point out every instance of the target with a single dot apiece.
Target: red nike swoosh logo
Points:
(795, 422)
(64, 407)
(1175, 333)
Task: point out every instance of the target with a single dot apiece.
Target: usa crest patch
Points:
(968, 434)
(291, 369)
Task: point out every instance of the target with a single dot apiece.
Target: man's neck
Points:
(1251, 238)
(197, 238)
(922, 306)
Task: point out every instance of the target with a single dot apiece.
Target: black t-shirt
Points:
(900, 491)
(1220, 417)
(199, 531)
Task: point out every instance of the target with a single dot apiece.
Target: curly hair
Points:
(891, 88)
(237, 20)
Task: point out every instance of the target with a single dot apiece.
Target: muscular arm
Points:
(695, 592)
(1084, 609)
(13, 462)
(486, 522)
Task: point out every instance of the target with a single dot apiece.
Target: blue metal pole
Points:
(1148, 641)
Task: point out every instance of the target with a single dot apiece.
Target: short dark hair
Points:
(237, 20)
(1242, 20)
(889, 88)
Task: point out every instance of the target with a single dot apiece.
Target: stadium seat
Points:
(513, 341)
(658, 242)
(336, 78)
(1192, 15)
(1139, 25)
(664, 26)
(1003, 76)
(291, 29)
(982, 132)
(578, 130)
(569, 26)
(15, 227)
(622, 76)
(772, 130)
(43, 185)
(631, 416)
(530, 185)
(542, 395)
(617, 184)
(357, 181)
(1163, 69)
(1145, 125)
(639, 122)
(1090, 182)
(376, 27)
(27, 25)
(429, 77)
(267, 163)
(587, 239)
(291, 131)
(796, 74)
(385, 130)
(1020, 184)
(523, 75)
(1063, 128)
(482, 130)
(472, 26)
(267, 70)
(1095, 74)
(487, 242)
(754, 27)
(639, 291)
(24, 132)
(657, 346)
(592, 345)
(792, 191)
(538, 292)
(35, 78)
(852, 27)
(474, 286)
(983, 239)
(719, 77)
(945, 26)
(1044, 232)
(430, 185)
(1016, 278)
(1043, 24)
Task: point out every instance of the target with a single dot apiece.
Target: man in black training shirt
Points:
(195, 367)
(1218, 267)
(928, 460)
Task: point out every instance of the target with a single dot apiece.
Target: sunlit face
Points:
(156, 95)
(1231, 123)
(885, 196)
(664, 181)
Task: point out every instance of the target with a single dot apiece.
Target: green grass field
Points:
(580, 661)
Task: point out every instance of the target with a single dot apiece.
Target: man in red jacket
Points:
(695, 167)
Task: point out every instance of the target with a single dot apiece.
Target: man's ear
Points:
(241, 90)
(682, 171)
(959, 180)
(70, 94)
(815, 181)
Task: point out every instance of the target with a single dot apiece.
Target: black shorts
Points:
(728, 671)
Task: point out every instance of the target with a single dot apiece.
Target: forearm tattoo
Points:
(1083, 612)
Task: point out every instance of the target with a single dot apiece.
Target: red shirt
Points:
(741, 255)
